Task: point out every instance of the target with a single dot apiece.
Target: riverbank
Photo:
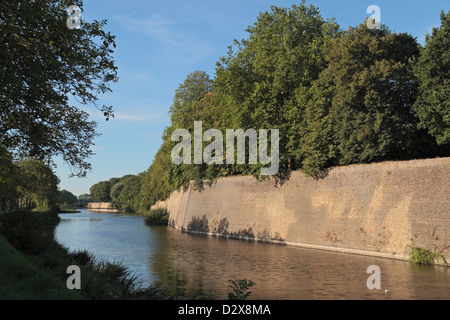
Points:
(62, 211)
(381, 209)
(21, 279)
(33, 265)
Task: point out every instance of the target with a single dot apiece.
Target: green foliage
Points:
(264, 82)
(27, 184)
(66, 198)
(83, 200)
(101, 191)
(433, 74)
(194, 88)
(426, 257)
(21, 279)
(38, 186)
(360, 109)
(157, 216)
(27, 231)
(239, 289)
(124, 192)
(43, 63)
(8, 181)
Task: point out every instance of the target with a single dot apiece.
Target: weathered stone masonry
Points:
(378, 209)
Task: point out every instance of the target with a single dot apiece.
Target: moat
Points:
(183, 261)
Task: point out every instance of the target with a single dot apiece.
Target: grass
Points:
(33, 265)
(21, 279)
(157, 217)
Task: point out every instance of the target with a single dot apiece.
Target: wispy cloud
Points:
(156, 26)
(169, 33)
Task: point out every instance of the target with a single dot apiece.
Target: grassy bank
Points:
(34, 266)
(21, 279)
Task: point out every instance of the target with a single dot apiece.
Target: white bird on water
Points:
(387, 291)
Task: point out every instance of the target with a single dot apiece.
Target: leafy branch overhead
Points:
(45, 68)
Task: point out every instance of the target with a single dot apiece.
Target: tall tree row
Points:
(337, 96)
(433, 76)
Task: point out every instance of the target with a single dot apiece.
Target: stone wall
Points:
(378, 209)
(101, 207)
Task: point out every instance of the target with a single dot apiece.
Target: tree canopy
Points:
(66, 197)
(44, 68)
(361, 105)
(264, 79)
(29, 184)
(433, 73)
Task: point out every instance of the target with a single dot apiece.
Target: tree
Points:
(84, 199)
(37, 186)
(43, 65)
(101, 191)
(129, 192)
(8, 180)
(66, 197)
(433, 73)
(264, 82)
(113, 181)
(361, 110)
(194, 88)
(115, 191)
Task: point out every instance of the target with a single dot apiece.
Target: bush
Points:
(426, 257)
(28, 231)
(157, 217)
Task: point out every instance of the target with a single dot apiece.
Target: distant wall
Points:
(377, 209)
(101, 207)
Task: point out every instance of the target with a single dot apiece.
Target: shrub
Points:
(27, 231)
(157, 217)
(426, 257)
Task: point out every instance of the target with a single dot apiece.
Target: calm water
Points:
(180, 260)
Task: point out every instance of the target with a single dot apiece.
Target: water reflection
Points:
(183, 261)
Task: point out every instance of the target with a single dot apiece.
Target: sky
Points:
(160, 42)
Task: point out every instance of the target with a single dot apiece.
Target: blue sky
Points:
(160, 42)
